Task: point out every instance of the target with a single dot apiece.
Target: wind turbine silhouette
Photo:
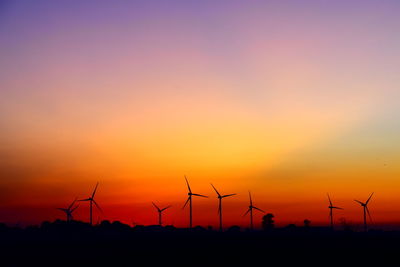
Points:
(68, 211)
(366, 210)
(160, 212)
(189, 200)
(331, 207)
(220, 197)
(251, 207)
(91, 200)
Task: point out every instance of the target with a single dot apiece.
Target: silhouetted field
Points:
(116, 244)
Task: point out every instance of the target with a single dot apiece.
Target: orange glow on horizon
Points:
(290, 102)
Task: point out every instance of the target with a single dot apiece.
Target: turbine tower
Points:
(160, 211)
(91, 201)
(365, 210)
(220, 197)
(331, 207)
(68, 211)
(251, 207)
(189, 200)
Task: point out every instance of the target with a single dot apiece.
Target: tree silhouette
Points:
(268, 222)
(307, 223)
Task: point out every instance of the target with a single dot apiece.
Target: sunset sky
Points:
(288, 99)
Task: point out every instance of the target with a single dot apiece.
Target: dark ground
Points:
(78, 244)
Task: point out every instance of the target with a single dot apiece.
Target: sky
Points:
(290, 100)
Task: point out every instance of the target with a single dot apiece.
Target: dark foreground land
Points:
(115, 244)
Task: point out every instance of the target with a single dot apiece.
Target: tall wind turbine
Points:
(251, 207)
(68, 211)
(189, 200)
(91, 201)
(331, 207)
(220, 197)
(160, 211)
(365, 209)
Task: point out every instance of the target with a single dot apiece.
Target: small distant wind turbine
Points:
(68, 211)
(366, 210)
(331, 207)
(220, 197)
(160, 211)
(91, 200)
(251, 207)
(189, 200)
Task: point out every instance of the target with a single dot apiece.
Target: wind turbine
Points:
(251, 207)
(331, 207)
(220, 197)
(189, 200)
(91, 200)
(160, 212)
(365, 209)
(68, 211)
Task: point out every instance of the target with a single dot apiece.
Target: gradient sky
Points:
(288, 99)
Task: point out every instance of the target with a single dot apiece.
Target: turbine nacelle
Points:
(189, 200)
(366, 210)
(366, 202)
(68, 211)
(160, 210)
(219, 196)
(92, 201)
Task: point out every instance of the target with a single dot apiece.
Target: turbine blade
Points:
(86, 199)
(369, 198)
(156, 206)
(258, 209)
(95, 203)
(186, 202)
(246, 212)
(94, 192)
(330, 202)
(358, 202)
(166, 207)
(190, 190)
(216, 190)
(73, 202)
(199, 195)
(337, 208)
(74, 208)
(369, 215)
(228, 195)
